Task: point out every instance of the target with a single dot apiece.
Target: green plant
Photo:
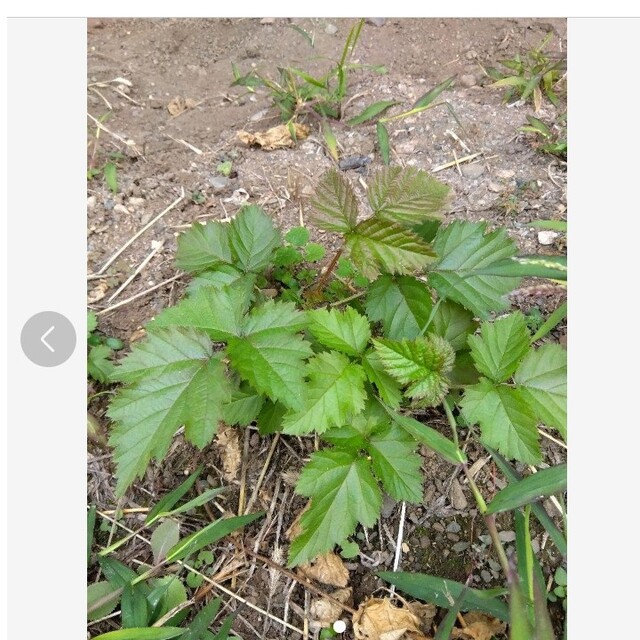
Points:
(296, 90)
(108, 169)
(417, 334)
(153, 606)
(531, 76)
(553, 138)
(100, 351)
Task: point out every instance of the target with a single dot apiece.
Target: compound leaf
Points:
(396, 464)
(406, 195)
(334, 203)
(500, 346)
(253, 238)
(421, 363)
(463, 248)
(377, 244)
(243, 407)
(343, 493)
(217, 311)
(542, 380)
(506, 420)
(453, 323)
(334, 394)
(273, 318)
(149, 411)
(346, 331)
(203, 247)
(402, 303)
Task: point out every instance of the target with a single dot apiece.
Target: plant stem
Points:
(490, 521)
(452, 422)
(328, 271)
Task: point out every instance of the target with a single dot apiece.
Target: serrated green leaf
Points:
(333, 395)
(370, 112)
(253, 238)
(343, 493)
(314, 252)
(439, 591)
(501, 346)
(149, 412)
(402, 303)
(273, 318)
(334, 203)
(92, 322)
(406, 195)
(99, 366)
(102, 599)
(383, 143)
(219, 277)
(346, 331)
(273, 365)
(298, 236)
(164, 536)
(388, 389)
(216, 311)
(454, 323)
(542, 484)
(243, 407)
(462, 248)
(422, 364)
(506, 420)
(396, 464)
(376, 244)
(431, 438)
(203, 247)
(542, 380)
(286, 256)
(208, 535)
(269, 419)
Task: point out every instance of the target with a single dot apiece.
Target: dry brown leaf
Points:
(98, 292)
(379, 619)
(275, 138)
(425, 611)
(228, 446)
(328, 569)
(323, 612)
(180, 104)
(480, 626)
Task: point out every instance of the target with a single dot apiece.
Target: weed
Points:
(107, 169)
(256, 340)
(531, 76)
(100, 351)
(550, 139)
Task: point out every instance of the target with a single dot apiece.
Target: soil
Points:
(139, 69)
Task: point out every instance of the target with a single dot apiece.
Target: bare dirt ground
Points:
(169, 158)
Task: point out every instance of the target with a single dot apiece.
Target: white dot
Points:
(339, 626)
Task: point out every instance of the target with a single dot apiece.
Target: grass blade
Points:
(142, 633)
(372, 111)
(531, 266)
(446, 626)
(383, 142)
(167, 503)
(551, 322)
(111, 176)
(91, 524)
(430, 96)
(542, 484)
(330, 139)
(308, 37)
(196, 502)
(554, 225)
(203, 619)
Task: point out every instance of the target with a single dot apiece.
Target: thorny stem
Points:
(328, 271)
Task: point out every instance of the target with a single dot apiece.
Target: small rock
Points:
(331, 29)
(453, 527)
(473, 171)
(120, 208)
(155, 103)
(220, 184)
(439, 527)
(259, 116)
(425, 542)
(136, 202)
(494, 564)
(108, 204)
(457, 496)
(495, 188)
(547, 237)
(505, 174)
(454, 537)
(486, 576)
(267, 20)
(471, 54)
(459, 547)
(507, 536)
(91, 203)
(376, 22)
(468, 80)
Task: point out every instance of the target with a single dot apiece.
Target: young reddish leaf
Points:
(334, 203)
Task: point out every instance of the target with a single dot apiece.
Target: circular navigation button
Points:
(48, 339)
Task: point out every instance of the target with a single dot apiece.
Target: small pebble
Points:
(457, 496)
(468, 80)
(453, 537)
(220, 184)
(495, 188)
(505, 174)
(120, 208)
(439, 527)
(376, 22)
(108, 204)
(453, 527)
(547, 237)
(259, 116)
(459, 547)
(471, 54)
(473, 171)
(91, 203)
(486, 576)
(331, 29)
(267, 20)
(136, 202)
(507, 536)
